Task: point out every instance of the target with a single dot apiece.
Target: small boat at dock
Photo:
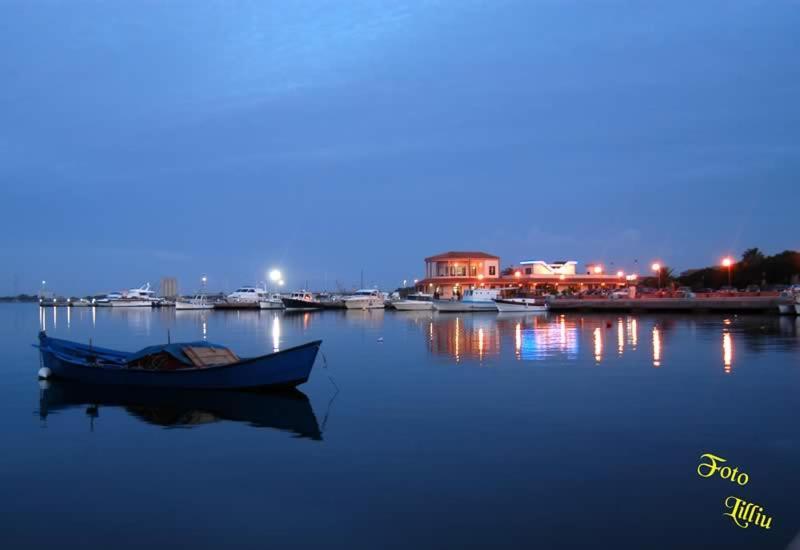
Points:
(366, 298)
(190, 365)
(474, 300)
(198, 302)
(414, 302)
(301, 301)
(506, 305)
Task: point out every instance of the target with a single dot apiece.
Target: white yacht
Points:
(415, 302)
(366, 299)
(247, 295)
(135, 297)
(477, 299)
(519, 304)
(198, 302)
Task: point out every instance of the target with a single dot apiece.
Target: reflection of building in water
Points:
(633, 332)
(459, 337)
(656, 346)
(598, 344)
(727, 351)
(620, 336)
(538, 337)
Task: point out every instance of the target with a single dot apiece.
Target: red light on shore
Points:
(656, 266)
(727, 262)
(518, 274)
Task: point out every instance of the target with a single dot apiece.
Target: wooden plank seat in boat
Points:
(209, 357)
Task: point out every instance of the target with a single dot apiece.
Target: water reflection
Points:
(276, 332)
(469, 336)
(656, 346)
(286, 411)
(598, 345)
(727, 351)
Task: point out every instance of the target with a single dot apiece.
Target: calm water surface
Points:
(477, 430)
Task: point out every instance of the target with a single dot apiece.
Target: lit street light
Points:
(657, 268)
(728, 262)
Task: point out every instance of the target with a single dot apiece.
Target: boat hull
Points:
(785, 309)
(411, 305)
(463, 306)
(284, 369)
(271, 304)
(295, 304)
(504, 306)
(185, 306)
(130, 303)
(367, 303)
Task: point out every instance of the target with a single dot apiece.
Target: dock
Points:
(743, 304)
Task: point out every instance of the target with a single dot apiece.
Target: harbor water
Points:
(416, 430)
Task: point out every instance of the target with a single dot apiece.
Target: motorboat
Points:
(301, 300)
(198, 302)
(190, 365)
(247, 294)
(505, 305)
(474, 299)
(366, 299)
(135, 297)
(414, 302)
(272, 301)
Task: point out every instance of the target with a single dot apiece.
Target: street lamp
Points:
(598, 269)
(620, 274)
(728, 262)
(657, 268)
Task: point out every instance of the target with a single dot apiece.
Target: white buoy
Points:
(44, 373)
(380, 339)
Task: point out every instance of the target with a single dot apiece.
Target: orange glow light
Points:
(620, 273)
(656, 267)
(518, 274)
(727, 262)
(598, 269)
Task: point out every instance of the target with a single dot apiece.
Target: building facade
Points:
(168, 287)
(447, 275)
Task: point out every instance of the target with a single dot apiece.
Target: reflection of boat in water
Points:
(288, 411)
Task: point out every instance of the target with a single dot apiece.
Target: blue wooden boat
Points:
(190, 365)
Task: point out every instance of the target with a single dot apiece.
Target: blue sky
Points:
(143, 139)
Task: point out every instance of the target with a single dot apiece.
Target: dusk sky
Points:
(143, 139)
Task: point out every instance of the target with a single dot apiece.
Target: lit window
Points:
(492, 270)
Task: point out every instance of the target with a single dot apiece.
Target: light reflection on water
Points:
(531, 381)
(481, 337)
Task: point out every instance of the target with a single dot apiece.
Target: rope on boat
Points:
(333, 397)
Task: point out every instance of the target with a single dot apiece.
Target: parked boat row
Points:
(473, 300)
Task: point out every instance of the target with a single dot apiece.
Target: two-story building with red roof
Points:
(449, 273)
